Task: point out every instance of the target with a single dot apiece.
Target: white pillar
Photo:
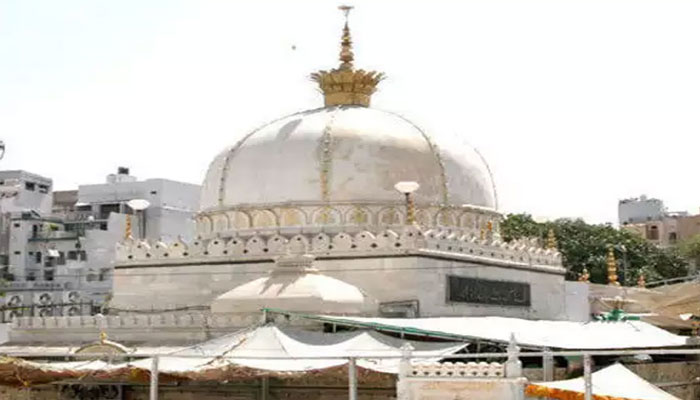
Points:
(154, 379)
(587, 378)
(547, 366)
(402, 390)
(514, 367)
(352, 380)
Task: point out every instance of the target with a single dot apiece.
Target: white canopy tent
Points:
(612, 383)
(258, 351)
(567, 335)
(275, 349)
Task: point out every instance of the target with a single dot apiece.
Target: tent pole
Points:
(264, 387)
(154, 379)
(587, 378)
(547, 365)
(352, 380)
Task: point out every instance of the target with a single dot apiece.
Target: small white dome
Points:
(293, 286)
(344, 154)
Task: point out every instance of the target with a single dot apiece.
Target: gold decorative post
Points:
(612, 267)
(551, 240)
(346, 85)
(127, 229)
(584, 276)
(407, 188)
(410, 209)
(642, 281)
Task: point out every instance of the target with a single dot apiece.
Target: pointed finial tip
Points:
(345, 9)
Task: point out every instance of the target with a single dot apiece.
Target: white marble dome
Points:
(344, 155)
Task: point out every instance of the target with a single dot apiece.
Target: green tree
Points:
(585, 245)
(690, 249)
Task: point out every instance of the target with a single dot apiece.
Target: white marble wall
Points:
(390, 278)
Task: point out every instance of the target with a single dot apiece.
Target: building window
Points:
(30, 186)
(72, 255)
(48, 275)
(43, 189)
(672, 237)
(17, 252)
(31, 277)
(37, 257)
(103, 274)
(103, 226)
(106, 209)
(83, 255)
(61, 258)
(16, 224)
(653, 233)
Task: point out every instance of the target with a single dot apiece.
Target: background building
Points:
(651, 220)
(57, 248)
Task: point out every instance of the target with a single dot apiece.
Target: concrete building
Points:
(58, 255)
(640, 209)
(651, 220)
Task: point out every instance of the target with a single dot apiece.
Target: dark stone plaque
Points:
(484, 291)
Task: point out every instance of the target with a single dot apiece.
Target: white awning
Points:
(615, 382)
(53, 253)
(284, 347)
(568, 335)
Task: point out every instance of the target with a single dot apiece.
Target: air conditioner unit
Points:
(71, 311)
(43, 299)
(14, 300)
(45, 312)
(12, 314)
(71, 297)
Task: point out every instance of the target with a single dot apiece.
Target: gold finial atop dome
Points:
(346, 85)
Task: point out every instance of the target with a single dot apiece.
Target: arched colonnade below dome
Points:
(466, 218)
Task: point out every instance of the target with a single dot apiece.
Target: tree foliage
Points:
(585, 245)
(690, 248)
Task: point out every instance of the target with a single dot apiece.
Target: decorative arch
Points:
(327, 216)
(446, 218)
(424, 218)
(264, 219)
(292, 217)
(390, 216)
(239, 220)
(204, 225)
(358, 216)
(220, 222)
(466, 220)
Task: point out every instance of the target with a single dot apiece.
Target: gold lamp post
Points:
(407, 188)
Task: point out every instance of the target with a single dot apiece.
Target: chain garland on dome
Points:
(326, 165)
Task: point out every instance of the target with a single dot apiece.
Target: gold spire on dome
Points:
(346, 85)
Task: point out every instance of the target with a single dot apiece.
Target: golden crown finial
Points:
(346, 85)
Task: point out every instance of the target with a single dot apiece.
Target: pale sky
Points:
(574, 104)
